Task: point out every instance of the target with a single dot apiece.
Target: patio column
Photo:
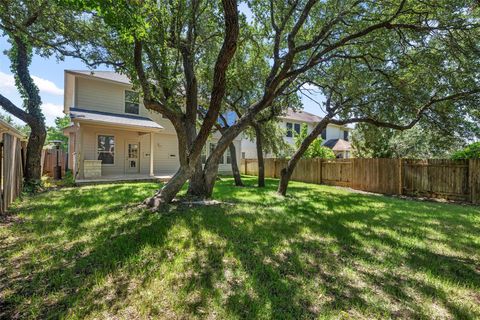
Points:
(151, 153)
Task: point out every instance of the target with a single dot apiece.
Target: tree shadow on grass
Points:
(319, 252)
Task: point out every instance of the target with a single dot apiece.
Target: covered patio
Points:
(106, 147)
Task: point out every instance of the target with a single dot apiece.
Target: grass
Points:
(321, 253)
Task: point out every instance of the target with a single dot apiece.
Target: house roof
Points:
(301, 116)
(113, 119)
(106, 75)
(338, 145)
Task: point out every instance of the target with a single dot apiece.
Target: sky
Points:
(47, 74)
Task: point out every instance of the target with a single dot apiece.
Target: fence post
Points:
(320, 172)
(400, 176)
(474, 179)
(353, 177)
(246, 161)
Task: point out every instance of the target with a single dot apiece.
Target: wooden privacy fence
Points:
(49, 161)
(11, 169)
(449, 179)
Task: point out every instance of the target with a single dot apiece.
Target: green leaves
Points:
(56, 132)
(315, 150)
(470, 152)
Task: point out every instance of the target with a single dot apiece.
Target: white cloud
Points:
(47, 86)
(52, 110)
(7, 85)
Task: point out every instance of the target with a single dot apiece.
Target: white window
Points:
(296, 127)
(132, 99)
(106, 149)
(289, 130)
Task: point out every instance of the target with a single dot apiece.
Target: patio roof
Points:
(98, 117)
(338, 145)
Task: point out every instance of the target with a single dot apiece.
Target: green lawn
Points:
(321, 253)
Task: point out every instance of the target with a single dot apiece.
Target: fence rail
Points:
(435, 178)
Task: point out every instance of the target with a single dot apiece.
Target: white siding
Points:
(249, 148)
(106, 96)
(165, 150)
(99, 95)
(334, 132)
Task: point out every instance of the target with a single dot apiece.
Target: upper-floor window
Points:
(289, 129)
(292, 127)
(324, 134)
(345, 135)
(296, 127)
(132, 99)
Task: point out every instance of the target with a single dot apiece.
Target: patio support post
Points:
(151, 154)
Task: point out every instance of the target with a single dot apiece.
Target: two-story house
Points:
(334, 136)
(114, 135)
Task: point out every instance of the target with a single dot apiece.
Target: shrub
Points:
(315, 150)
(470, 152)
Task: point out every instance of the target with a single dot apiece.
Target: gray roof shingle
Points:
(301, 116)
(111, 118)
(338, 145)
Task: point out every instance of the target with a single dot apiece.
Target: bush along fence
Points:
(12, 162)
(457, 180)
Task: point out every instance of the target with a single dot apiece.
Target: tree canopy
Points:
(386, 63)
(419, 142)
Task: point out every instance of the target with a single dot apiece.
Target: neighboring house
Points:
(334, 136)
(113, 134)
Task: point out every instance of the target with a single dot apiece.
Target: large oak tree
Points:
(164, 47)
(19, 20)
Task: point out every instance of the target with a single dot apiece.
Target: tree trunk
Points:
(235, 170)
(170, 190)
(197, 183)
(210, 174)
(286, 173)
(261, 162)
(193, 155)
(33, 161)
(32, 114)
